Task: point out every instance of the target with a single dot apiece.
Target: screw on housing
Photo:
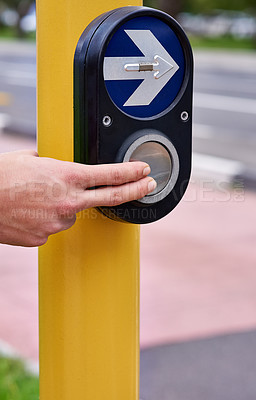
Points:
(184, 116)
(107, 121)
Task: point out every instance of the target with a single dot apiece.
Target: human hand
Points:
(41, 196)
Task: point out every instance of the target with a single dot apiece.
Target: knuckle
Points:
(70, 176)
(136, 171)
(116, 176)
(65, 208)
(53, 227)
(140, 191)
(60, 224)
(116, 197)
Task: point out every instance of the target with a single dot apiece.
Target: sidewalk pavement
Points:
(199, 268)
(198, 275)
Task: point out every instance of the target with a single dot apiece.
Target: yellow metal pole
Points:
(89, 275)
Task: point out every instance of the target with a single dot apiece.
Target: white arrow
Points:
(156, 68)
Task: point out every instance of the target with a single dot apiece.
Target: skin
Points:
(41, 196)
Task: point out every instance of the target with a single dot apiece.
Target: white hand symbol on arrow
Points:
(156, 68)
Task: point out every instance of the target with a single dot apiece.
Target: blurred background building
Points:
(198, 278)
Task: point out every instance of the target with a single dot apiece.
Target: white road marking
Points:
(220, 168)
(212, 81)
(201, 131)
(18, 74)
(6, 65)
(21, 82)
(225, 103)
(4, 121)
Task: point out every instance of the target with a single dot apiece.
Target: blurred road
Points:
(224, 112)
(18, 87)
(225, 105)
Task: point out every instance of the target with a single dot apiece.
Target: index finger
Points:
(111, 174)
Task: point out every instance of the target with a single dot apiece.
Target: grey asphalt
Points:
(219, 368)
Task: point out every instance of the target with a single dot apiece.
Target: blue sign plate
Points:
(144, 67)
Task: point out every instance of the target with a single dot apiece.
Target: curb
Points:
(248, 178)
(222, 170)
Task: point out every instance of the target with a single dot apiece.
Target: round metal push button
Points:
(155, 155)
(160, 154)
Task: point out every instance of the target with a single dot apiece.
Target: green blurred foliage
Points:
(22, 7)
(151, 3)
(226, 42)
(202, 6)
(16, 383)
(206, 6)
(16, 4)
(10, 3)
